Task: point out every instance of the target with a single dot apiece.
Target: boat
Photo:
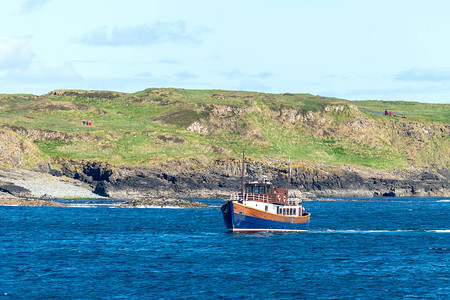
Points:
(263, 206)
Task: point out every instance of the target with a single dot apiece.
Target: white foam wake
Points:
(377, 231)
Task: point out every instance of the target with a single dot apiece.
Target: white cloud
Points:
(33, 5)
(145, 75)
(430, 75)
(142, 35)
(264, 75)
(169, 61)
(15, 53)
(234, 74)
(185, 75)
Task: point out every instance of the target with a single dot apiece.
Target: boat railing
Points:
(295, 201)
(249, 197)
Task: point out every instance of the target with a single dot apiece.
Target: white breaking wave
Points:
(377, 231)
(156, 206)
(362, 231)
(115, 205)
(443, 200)
(88, 205)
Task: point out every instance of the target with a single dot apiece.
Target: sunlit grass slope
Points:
(156, 125)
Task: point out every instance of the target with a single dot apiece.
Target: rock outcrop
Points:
(190, 179)
(16, 151)
(145, 202)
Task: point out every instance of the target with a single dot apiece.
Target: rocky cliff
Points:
(220, 178)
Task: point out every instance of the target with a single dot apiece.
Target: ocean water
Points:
(380, 248)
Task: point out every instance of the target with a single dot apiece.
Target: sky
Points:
(356, 50)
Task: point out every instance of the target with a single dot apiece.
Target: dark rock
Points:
(99, 171)
(192, 177)
(15, 190)
(101, 188)
(55, 172)
(389, 194)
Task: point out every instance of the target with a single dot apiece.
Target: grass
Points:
(126, 127)
(414, 111)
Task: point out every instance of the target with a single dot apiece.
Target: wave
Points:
(155, 206)
(377, 231)
(384, 199)
(86, 205)
(358, 231)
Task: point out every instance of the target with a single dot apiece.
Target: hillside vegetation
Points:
(155, 126)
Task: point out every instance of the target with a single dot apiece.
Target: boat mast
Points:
(289, 175)
(243, 166)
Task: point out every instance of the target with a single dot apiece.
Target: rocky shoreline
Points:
(196, 179)
(165, 186)
(15, 201)
(31, 188)
(163, 202)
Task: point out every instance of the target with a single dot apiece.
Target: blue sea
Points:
(378, 248)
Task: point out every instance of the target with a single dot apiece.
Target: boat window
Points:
(262, 189)
(249, 189)
(295, 211)
(266, 207)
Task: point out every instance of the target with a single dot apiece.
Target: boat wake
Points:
(439, 231)
(377, 231)
(384, 199)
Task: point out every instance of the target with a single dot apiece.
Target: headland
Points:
(177, 144)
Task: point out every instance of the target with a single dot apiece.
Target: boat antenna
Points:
(289, 175)
(243, 166)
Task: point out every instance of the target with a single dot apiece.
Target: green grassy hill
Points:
(157, 125)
